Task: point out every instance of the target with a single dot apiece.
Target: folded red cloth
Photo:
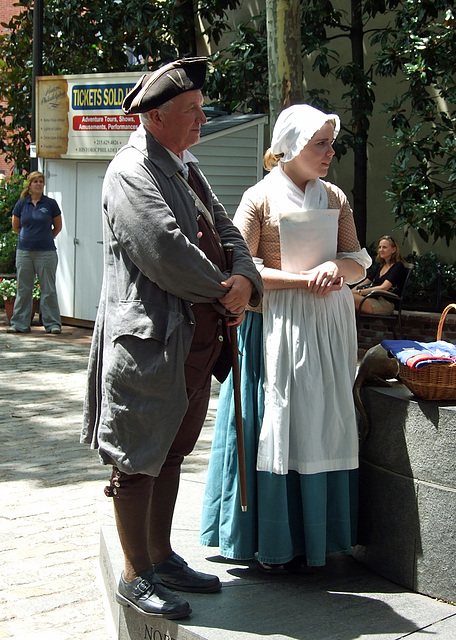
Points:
(422, 360)
(420, 354)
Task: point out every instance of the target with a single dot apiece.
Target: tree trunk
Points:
(187, 37)
(359, 130)
(284, 55)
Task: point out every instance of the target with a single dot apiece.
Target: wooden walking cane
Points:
(228, 248)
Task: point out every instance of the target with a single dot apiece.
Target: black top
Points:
(396, 274)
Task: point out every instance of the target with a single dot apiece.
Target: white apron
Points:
(310, 348)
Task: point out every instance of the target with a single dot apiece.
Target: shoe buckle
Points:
(142, 588)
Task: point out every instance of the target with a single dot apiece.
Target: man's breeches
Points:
(125, 486)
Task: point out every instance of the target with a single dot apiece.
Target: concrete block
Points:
(435, 561)
(409, 436)
(128, 623)
(134, 626)
(339, 601)
(407, 519)
(110, 576)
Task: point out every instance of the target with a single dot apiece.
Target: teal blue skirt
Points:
(287, 515)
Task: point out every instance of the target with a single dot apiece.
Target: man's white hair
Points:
(145, 117)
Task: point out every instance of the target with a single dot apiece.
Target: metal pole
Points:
(37, 68)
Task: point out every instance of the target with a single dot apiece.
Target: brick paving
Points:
(51, 500)
(51, 494)
(52, 505)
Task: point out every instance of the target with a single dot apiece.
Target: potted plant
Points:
(8, 291)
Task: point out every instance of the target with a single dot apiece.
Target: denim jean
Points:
(44, 265)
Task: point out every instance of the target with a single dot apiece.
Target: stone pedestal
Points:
(407, 523)
(128, 624)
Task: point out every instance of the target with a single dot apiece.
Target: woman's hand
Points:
(324, 278)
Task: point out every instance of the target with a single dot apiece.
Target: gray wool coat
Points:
(153, 272)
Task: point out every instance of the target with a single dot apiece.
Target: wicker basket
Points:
(436, 381)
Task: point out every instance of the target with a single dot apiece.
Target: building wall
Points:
(231, 162)
(417, 325)
(7, 10)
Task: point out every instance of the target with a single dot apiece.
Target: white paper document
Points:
(307, 238)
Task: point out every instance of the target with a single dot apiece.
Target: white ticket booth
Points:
(80, 127)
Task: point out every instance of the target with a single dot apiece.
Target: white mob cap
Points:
(294, 128)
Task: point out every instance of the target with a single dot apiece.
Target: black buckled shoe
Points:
(175, 573)
(148, 595)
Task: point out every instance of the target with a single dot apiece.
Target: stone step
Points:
(342, 600)
(128, 623)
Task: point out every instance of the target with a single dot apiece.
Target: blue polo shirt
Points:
(36, 223)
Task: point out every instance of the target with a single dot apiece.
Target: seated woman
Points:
(389, 276)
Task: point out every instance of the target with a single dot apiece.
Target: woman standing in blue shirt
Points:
(38, 220)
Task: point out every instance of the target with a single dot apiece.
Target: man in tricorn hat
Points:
(161, 328)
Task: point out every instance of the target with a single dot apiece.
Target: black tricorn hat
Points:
(167, 82)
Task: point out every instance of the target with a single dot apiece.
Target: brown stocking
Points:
(161, 517)
(167, 484)
(132, 517)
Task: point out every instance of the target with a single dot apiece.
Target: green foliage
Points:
(448, 272)
(10, 191)
(431, 282)
(424, 275)
(423, 118)
(322, 25)
(213, 14)
(8, 244)
(243, 67)
(418, 40)
(94, 37)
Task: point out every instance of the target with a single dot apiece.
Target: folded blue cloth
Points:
(420, 354)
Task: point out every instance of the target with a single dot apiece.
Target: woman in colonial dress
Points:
(298, 361)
